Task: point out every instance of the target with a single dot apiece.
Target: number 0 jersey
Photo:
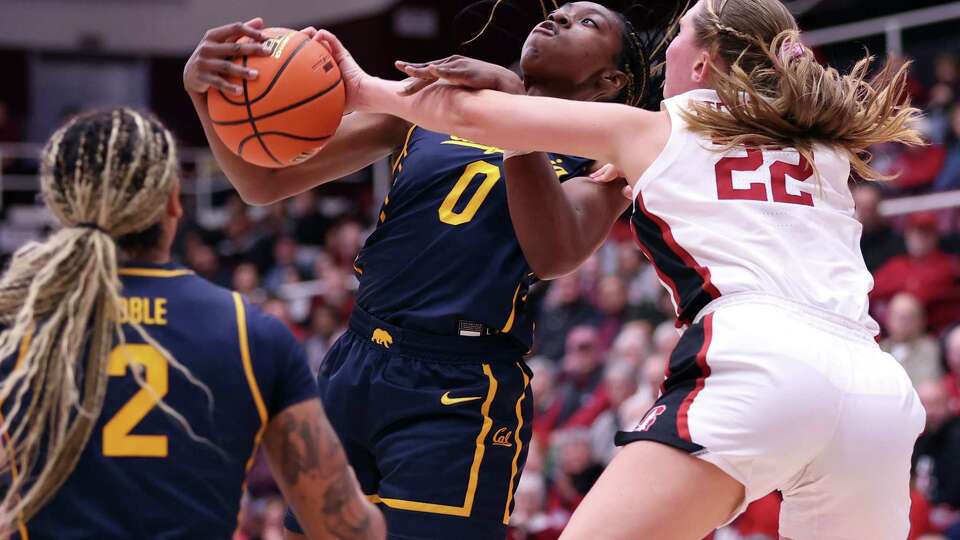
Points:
(444, 258)
(718, 223)
(141, 475)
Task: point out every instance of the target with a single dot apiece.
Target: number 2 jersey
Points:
(141, 475)
(749, 221)
(444, 258)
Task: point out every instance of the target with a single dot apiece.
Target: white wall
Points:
(155, 26)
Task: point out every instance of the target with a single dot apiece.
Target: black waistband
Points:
(398, 339)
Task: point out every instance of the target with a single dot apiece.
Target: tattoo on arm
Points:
(311, 451)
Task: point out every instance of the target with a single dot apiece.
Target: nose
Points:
(562, 20)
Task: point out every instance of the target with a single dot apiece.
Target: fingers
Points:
(627, 192)
(330, 41)
(220, 83)
(236, 30)
(225, 67)
(310, 31)
(229, 50)
(607, 173)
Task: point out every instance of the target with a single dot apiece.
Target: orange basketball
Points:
(287, 114)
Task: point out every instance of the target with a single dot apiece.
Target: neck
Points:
(155, 255)
(556, 89)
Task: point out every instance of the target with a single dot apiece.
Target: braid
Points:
(642, 55)
(103, 175)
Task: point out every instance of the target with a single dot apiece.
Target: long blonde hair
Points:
(776, 94)
(103, 175)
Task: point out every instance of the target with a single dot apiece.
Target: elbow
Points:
(555, 264)
(257, 192)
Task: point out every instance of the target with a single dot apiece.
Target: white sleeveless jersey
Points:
(719, 223)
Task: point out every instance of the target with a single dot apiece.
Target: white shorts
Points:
(786, 397)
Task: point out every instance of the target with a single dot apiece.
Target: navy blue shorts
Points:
(437, 438)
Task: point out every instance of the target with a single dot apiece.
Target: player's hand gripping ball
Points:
(285, 115)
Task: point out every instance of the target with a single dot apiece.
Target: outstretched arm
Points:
(628, 137)
(309, 464)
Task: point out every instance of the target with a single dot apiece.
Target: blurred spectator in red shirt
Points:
(918, 353)
(915, 167)
(937, 457)
(951, 383)
(879, 242)
(925, 271)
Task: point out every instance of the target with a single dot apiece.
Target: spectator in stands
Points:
(529, 521)
(575, 471)
(951, 353)
(916, 167)
(619, 384)
(949, 177)
(665, 338)
(612, 304)
(632, 343)
(652, 376)
(879, 242)
(564, 308)
(284, 263)
(203, 260)
(926, 272)
(246, 281)
(579, 382)
(309, 225)
(918, 353)
(937, 457)
(325, 327)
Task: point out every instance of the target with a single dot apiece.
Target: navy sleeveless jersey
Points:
(444, 258)
(141, 475)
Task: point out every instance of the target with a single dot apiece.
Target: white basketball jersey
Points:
(718, 223)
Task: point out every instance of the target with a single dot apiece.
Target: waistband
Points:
(822, 318)
(402, 340)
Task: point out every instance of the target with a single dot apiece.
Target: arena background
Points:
(603, 332)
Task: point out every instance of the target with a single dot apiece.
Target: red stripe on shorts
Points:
(683, 429)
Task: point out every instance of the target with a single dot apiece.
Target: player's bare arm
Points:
(311, 468)
(361, 139)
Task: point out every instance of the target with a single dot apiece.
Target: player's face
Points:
(686, 59)
(577, 42)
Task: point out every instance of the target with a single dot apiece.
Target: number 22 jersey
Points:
(747, 220)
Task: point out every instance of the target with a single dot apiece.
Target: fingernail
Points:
(253, 72)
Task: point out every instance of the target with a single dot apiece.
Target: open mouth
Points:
(547, 28)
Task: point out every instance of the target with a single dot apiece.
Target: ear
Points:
(174, 208)
(701, 68)
(611, 83)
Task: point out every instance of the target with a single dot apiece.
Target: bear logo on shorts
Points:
(651, 418)
(382, 337)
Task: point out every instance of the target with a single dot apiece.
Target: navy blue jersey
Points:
(444, 258)
(141, 475)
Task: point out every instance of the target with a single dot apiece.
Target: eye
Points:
(589, 22)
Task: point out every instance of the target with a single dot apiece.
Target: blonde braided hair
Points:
(777, 95)
(103, 175)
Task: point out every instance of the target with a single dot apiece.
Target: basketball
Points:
(287, 114)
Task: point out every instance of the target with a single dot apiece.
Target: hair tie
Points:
(793, 50)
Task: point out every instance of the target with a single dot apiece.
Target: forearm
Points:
(499, 119)
(558, 225)
(361, 140)
(311, 469)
